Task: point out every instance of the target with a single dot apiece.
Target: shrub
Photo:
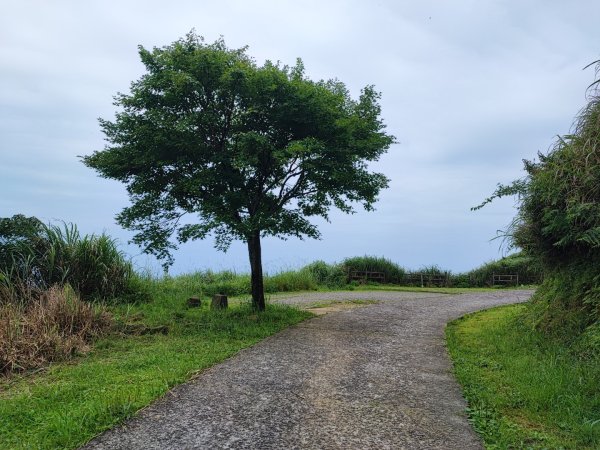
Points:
(56, 326)
(39, 256)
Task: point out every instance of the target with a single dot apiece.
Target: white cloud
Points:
(469, 89)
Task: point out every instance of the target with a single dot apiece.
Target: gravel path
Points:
(372, 377)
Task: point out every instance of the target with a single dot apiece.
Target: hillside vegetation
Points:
(531, 372)
(558, 225)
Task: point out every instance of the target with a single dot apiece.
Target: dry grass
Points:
(54, 327)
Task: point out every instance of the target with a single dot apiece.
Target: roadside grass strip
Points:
(523, 389)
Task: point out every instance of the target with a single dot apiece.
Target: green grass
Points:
(524, 390)
(69, 403)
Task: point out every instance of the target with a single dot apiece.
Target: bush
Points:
(56, 326)
(392, 271)
(35, 256)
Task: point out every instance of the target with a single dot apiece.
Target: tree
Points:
(251, 150)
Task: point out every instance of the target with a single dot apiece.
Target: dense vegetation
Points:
(47, 272)
(558, 225)
(35, 256)
(531, 372)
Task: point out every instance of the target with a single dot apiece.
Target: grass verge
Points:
(69, 403)
(524, 390)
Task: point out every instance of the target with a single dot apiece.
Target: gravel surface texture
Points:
(377, 376)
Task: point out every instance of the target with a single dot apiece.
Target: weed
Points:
(55, 327)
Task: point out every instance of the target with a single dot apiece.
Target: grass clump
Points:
(55, 327)
(35, 256)
(329, 275)
(524, 389)
(526, 267)
(289, 281)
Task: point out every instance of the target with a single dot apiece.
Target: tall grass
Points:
(58, 255)
(208, 283)
(54, 327)
(329, 275)
(558, 223)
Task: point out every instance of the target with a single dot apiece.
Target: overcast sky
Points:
(469, 88)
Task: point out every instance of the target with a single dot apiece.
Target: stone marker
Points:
(194, 302)
(219, 301)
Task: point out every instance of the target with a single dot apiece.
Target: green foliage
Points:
(524, 389)
(14, 232)
(432, 269)
(558, 222)
(209, 283)
(39, 256)
(208, 132)
(248, 151)
(567, 306)
(427, 276)
(290, 280)
(393, 272)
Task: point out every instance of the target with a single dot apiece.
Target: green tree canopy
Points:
(249, 150)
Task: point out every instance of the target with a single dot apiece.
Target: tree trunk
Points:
(258, 293)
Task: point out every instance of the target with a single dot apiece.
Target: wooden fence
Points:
(427, 280)
(364, 276)
(505, 279)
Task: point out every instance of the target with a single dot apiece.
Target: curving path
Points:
(372, 377)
